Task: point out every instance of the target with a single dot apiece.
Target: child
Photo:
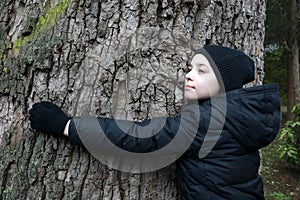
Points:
(228, 168)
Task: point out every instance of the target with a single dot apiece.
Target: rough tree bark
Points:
(115, 58)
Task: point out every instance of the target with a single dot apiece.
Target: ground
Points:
(281, 180)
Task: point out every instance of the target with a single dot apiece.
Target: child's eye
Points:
(201, 70)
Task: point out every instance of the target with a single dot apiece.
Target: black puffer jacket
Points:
(230, 169)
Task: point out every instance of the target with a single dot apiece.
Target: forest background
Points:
(281, 169)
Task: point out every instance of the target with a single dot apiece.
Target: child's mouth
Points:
(189, 87)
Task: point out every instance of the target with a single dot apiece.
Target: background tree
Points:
(113, 58)
(282, 44)
(282, 64)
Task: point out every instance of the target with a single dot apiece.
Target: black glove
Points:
(48, 117)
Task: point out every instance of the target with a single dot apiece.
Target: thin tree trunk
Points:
(293, 94)
(113, 58)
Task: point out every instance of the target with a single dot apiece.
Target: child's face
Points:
(201, 82)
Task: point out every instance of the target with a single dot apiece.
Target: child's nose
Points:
(189, 76)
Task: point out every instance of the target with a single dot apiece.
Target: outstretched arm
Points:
(124, 145)
(145, 136)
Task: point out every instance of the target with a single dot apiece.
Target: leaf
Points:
(282, 154)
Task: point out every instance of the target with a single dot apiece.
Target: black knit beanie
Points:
(232, 66)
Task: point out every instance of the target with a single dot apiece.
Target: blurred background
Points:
(281, 169)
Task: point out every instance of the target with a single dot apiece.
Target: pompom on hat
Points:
(232, 66)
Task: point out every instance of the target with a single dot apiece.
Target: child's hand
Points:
(48, 117)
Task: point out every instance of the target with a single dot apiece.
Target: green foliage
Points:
(289, 138)
(279, 196)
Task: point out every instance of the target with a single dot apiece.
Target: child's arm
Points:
(124, 145)
(145, 136)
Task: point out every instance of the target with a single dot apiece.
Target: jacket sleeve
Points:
(136, 147)
(137, 137)
(73, 135)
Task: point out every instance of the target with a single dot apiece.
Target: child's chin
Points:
(190, 98)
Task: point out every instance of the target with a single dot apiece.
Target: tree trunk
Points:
(293, 93)
(115, 58)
